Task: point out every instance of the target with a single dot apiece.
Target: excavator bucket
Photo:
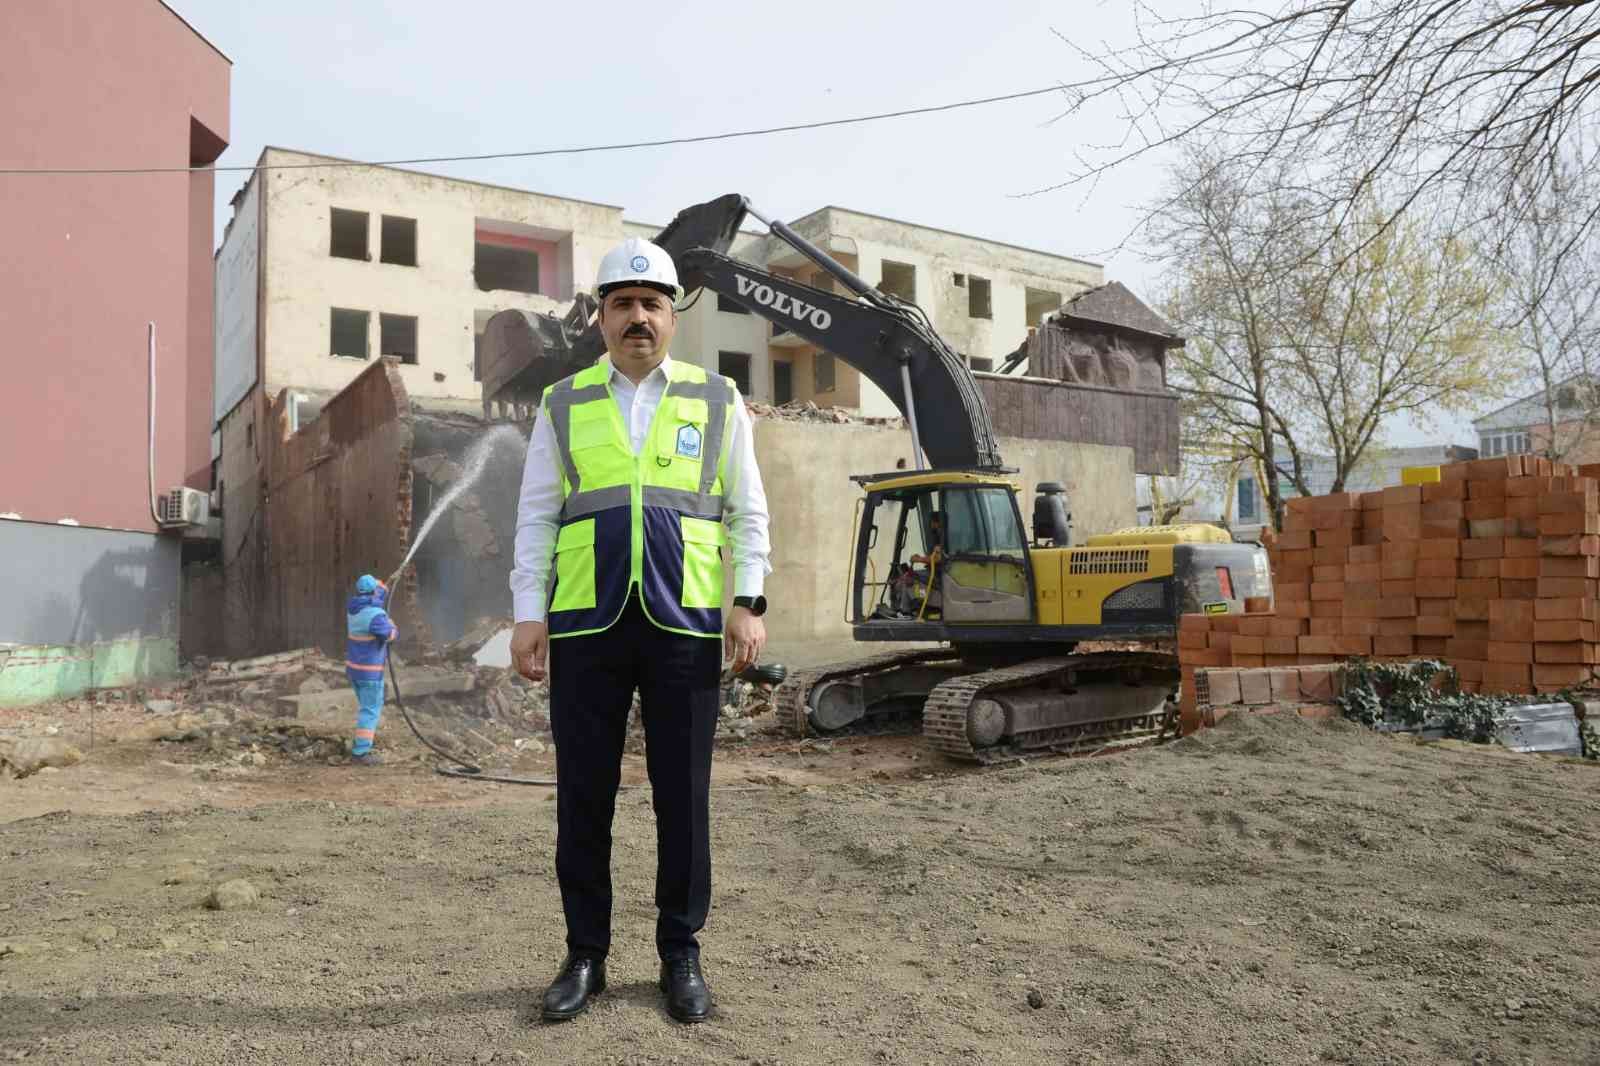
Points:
(524, 352)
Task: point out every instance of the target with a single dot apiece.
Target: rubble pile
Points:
(807, 411)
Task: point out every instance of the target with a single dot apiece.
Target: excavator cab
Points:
(940, 549)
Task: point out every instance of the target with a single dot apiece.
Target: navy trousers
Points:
(592, 682)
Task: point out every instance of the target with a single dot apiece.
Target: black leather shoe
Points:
(568, 995)
(688, 998)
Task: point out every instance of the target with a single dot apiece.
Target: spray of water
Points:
(472, 469)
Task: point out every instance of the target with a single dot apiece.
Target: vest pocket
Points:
(575, 567)
(702, 562)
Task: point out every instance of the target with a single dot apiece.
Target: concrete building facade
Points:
(1565, 424)
(91, 262)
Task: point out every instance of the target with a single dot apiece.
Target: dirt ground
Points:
(1271, 891)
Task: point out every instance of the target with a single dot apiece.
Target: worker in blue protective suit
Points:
(369, 632)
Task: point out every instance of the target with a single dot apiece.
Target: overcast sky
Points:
(368, 80)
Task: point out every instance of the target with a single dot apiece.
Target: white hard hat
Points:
(636, 261)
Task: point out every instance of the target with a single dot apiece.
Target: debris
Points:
(231, 895)
(29, 755)
(1541, 727)
(496, 651)
(159, 706)
(1035, 998)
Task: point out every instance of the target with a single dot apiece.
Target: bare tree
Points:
(1455, 102)
(1306, 337)
(1551, 278)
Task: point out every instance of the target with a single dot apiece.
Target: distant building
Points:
(1525, 425)
(90, 262)
(1232, 494)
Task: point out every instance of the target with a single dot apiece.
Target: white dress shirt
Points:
(744, 500)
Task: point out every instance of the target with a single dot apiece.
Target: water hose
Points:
(773, 673)
(462, 768)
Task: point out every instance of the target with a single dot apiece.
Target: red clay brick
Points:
(1390, 590)
(1359, 627)
(1276, 646)
(1362, 590)
(1510, 651)
(1356, 608)
(1245, 644)
(1569, 545)
(1335, 538)
(1252, 662)
(1435, 587)
(1569, 502)
(1507, 677)
(1394, 550)
(1433, 647)
(1568, 525)
(1192, 638)
(1285, 682)
(1521, 569)
(1568, 588)
(1467, 649)
(1563, 630)
(1402, 523)
(1473, 629)
(1486, 490)
(1435, 607)
(1567, 652)
(1480, 568)
(1257, 604)
(1472, 608)
(1327, 608)
(1434, 491)
(1476, 511)
(1393, 646)
(1317, 710)
(1478, 589)
(1329, 556)
(1318, 645)
(1363, 554)
(1531, 487)
(1519, 590)
(1353, 645)
(1436, 626)
(1434, 567)
(1468, 669)
(1569, 566)
(1324, 574)
(1292, 539)
(1521, 547)
(1301, 609)
(1484, 528)
(1483, 548)
(1552, 677)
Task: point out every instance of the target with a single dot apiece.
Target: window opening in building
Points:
(348, 334)
(732, 308)
(782, 383)
(399, 237)
(960, 280)
(979, 363)
(899, 279)
(505, 266)
(397, 335)
(1247, 499)
(822, 373)
(348, 235)
(1038, 305)
(735, 365)
(978, 297)
(1506, 442)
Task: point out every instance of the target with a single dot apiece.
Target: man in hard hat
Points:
(368, 633)
(639, 470)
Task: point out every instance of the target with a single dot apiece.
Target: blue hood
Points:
(360, 602)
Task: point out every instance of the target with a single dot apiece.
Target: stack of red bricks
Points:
(1492, 568)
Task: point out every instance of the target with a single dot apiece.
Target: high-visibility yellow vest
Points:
(652, 520)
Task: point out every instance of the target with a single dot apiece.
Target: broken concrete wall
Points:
(338, 504)
(1055, 411)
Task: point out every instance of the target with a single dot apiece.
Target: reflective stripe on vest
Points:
(651, 521)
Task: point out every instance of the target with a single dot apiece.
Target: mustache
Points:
(639, 329)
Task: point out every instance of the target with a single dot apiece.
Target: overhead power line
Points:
(533, 153)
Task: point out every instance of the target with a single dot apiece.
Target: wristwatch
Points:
(757, 604)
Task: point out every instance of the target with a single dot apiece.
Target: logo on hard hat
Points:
(639, 263)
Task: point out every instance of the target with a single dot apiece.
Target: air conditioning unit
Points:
(182, 507)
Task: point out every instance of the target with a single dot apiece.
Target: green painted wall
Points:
(39, 673)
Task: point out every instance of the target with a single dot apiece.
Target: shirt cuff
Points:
(748, 581)
(527, 607)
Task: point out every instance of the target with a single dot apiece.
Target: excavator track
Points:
(794, 694)
(948, 710)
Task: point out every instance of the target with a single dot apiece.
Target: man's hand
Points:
(530, 644)
(743, 638)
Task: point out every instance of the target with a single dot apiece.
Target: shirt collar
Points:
(613, 374)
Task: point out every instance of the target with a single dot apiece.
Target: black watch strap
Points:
(757, 605)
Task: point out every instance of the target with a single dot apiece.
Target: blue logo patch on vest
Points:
(689, 442)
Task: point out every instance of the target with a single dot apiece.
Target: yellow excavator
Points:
(942, 556)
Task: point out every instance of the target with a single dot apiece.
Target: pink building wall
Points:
(548, 253)
(87, 260)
